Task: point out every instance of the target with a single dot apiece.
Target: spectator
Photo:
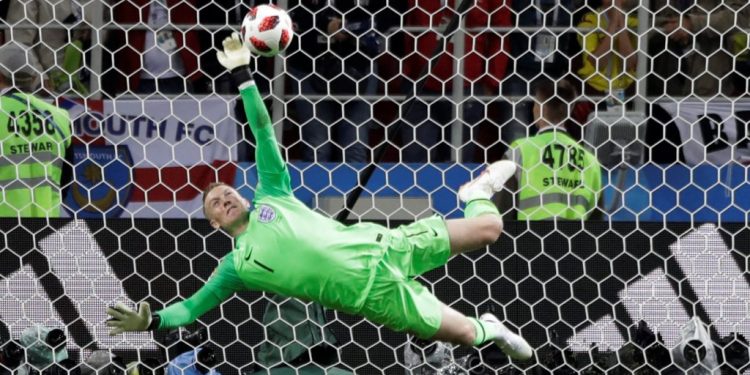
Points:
(226, 14)
(334, 56)
(557, 178)
(666, 74)
(609, 60)
(536, 53)
(484, 64)
(707, 30)
(739, 43)
(169, 56)
(56, 43)
(34, 142)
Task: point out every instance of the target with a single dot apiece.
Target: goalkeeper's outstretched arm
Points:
(273, 176)
(220, 286)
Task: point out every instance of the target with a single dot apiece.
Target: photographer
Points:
(44, 346)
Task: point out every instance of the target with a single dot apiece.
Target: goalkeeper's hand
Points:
(235, 53)
(124, 319)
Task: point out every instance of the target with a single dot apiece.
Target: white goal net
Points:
(383, 109)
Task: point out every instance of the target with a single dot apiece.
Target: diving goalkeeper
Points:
(284, 247)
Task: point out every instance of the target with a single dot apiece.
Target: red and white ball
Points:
(267, 30)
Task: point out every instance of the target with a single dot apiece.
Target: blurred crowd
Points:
(354, 62)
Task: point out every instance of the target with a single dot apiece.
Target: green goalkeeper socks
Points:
(485, 331)
(480, 207)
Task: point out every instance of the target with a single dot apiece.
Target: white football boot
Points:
(492, 180)
(511, 344)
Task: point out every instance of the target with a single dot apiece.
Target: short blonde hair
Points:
(207, 190)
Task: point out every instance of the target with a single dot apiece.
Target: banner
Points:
(149, 158)
(568, 284)
(402, 191)
(714, 131)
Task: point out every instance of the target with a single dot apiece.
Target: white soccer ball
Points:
(267, 30)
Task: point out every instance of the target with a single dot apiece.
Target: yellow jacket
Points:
(590, 42)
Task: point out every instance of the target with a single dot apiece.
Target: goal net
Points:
(383, 109)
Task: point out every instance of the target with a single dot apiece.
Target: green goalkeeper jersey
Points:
(287, 248)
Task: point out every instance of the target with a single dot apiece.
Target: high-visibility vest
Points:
(739, 46)
(33, 135)
(557, 177)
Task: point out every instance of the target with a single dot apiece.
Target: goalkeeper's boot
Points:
(511, 344)
(491, 180)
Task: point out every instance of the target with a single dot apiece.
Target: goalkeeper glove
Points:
(236, 58)
(124, 319)
(235, 53)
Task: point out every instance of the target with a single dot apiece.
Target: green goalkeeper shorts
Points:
(396, 300)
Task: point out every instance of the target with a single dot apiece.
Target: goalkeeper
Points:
(284, 247)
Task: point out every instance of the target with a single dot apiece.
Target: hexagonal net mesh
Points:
(625, 241)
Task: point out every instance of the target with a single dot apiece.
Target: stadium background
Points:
(673, 245)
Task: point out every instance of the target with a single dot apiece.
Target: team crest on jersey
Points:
(266, 214)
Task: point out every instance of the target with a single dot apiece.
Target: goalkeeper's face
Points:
(225, 208)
